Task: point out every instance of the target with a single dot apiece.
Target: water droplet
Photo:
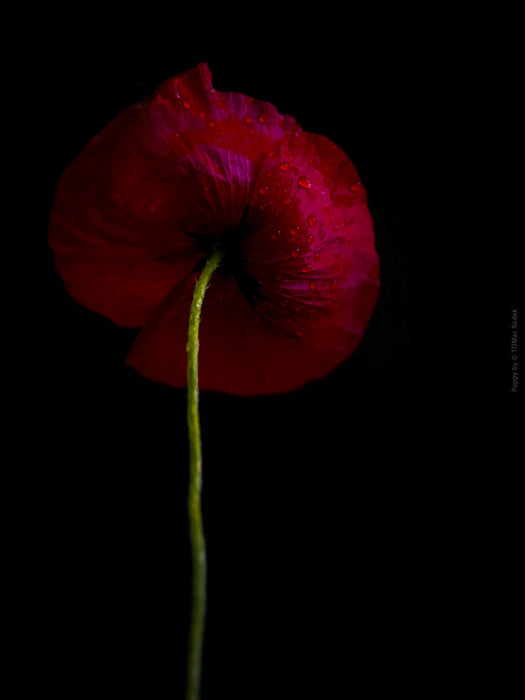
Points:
(248, 119)
(261, 119)
(202, 115)
(347, 222)
(187, 104)
(327, 180)
(313, 284)
(283, 166)
(295, 252)
(211, 125)
(262, 190)
(293, 232)
(333, 194)
(269, 173)
(317, 255)
(287, 201)
(312, 220)
(309, 238)
(307, 267)
(333, 283)
(355, 188)
(305, 182)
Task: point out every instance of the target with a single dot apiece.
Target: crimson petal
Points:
(190, 160)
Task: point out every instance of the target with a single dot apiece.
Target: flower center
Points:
(232, 263)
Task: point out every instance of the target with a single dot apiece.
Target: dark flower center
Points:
(232, 263)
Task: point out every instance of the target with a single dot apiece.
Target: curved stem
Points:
(198, 549)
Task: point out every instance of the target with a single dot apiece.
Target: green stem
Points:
(198, 548)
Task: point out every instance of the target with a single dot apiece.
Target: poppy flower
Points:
(138, 212)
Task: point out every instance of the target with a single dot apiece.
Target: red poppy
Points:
(139, 210)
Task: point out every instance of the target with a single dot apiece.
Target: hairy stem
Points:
(198, 548)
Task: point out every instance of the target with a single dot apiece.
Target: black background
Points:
(359, 530)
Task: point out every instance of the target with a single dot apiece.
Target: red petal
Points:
(185, 159)
(314, 243)
(189, 159)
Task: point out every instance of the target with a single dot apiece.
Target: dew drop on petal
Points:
(248, 120)
(187, 104)
(347, 222)
(262, 190)
(312, 220)
(309, 238)
(283, 166)
(293, 232)
(211, 124)
(261, 119)
(317, 255)
(327, 180)
(313, 284)
(305, 182)
(307, 267)
(333, 283)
